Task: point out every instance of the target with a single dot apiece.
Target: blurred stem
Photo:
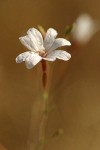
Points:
(44, 119)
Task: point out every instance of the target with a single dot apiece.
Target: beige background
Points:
(75, 88)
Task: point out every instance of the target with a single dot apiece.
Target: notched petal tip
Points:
(68, 56)
(60, 54)
(65, 42)
(52, 30)
(21, 57)
(64, 55)
(68, 43)
(18, 59)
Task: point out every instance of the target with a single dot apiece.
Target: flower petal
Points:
(36, 38)
(25, 40)
(49, 38)
(60, 54)
(59, 42)
(50, 57)
(32, 60)
(20, 58)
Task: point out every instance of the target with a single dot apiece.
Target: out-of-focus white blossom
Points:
(40, 49)
(84, 28)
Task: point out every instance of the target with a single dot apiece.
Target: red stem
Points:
(44, 77)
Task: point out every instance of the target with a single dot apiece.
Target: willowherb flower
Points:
(85, 27)
(42, 49)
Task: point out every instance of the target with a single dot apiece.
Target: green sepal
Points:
(41, 29)
(68, 29)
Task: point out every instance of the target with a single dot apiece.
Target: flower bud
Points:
(84, 29)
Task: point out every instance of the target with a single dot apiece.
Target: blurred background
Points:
(75, 85)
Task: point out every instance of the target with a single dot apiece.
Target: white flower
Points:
(85, 27)
(40, 49)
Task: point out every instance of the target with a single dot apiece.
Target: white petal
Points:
(59, 42)
(25, 40)
(20, 58)
(49, 38)
(50, 57)
(60, 54)
(36, 38)
(32, 60)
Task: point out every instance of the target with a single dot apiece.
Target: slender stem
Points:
(44, 119)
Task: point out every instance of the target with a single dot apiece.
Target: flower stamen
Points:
(43, 53)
